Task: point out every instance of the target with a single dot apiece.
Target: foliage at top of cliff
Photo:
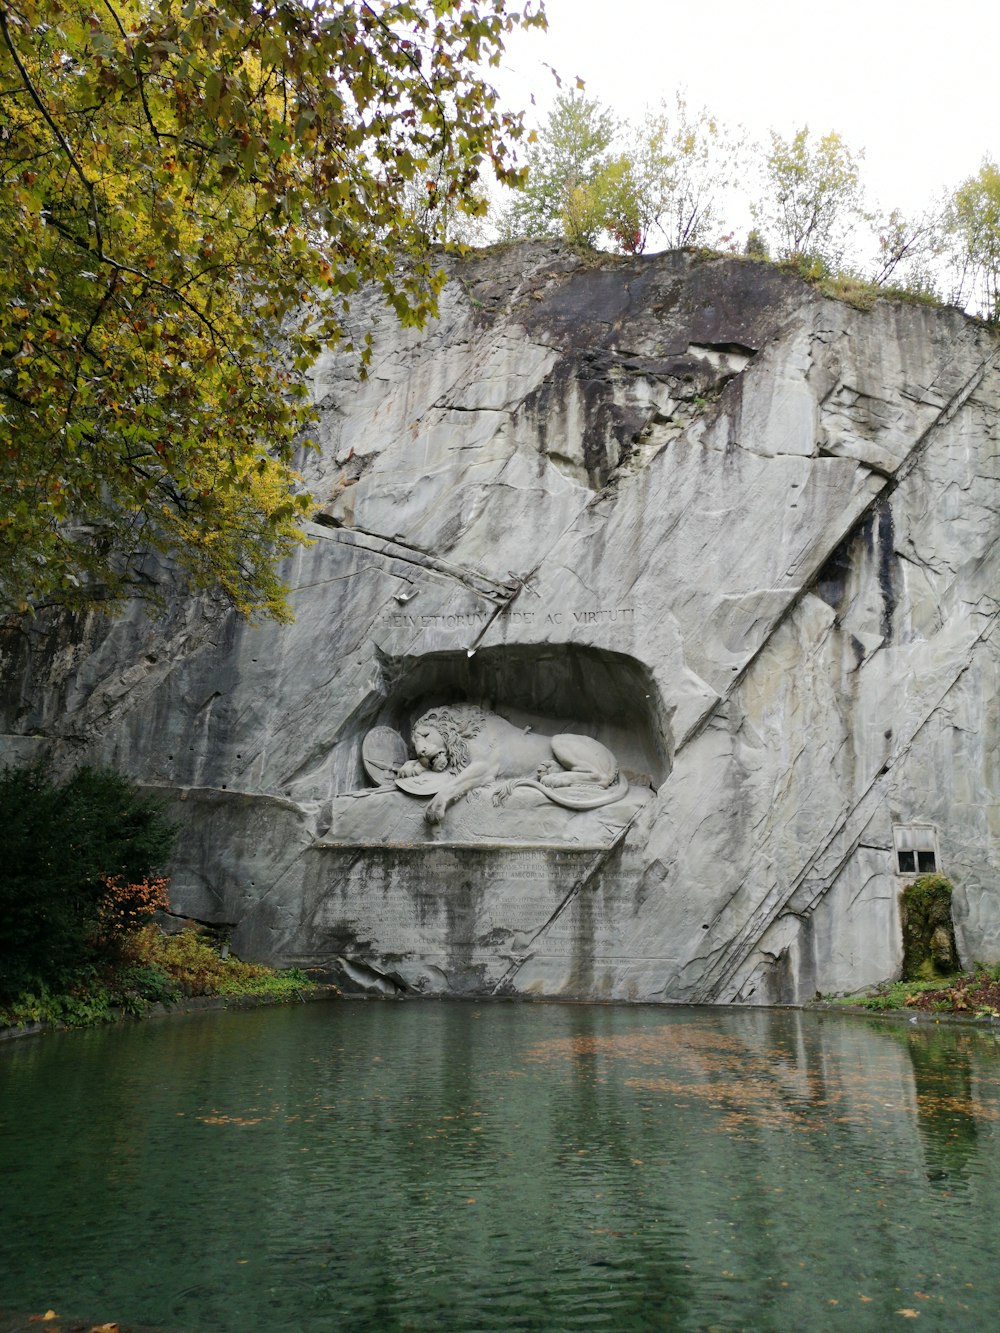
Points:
(192, 193)
(680, 176)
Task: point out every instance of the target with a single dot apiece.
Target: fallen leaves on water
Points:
(50, 1315)
(231, 1119)
(751, 1084)
(643, 1046)
(907, 1313)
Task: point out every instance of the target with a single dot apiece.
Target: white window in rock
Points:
(916, 849)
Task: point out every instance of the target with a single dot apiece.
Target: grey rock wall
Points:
(743, 535)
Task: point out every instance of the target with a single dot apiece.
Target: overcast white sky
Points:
(917, 85)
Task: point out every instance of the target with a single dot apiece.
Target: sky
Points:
(916, 85)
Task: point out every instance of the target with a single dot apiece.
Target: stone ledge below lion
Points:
(386, 817)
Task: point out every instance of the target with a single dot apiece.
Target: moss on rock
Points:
(929, 948)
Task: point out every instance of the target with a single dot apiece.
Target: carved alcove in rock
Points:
(541, 691)
(395, 899)
(549, 687)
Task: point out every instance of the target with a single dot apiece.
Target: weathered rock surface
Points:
(742, 535)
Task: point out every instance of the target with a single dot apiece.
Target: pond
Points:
(442, 1166)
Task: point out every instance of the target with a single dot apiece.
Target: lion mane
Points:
(457, 723)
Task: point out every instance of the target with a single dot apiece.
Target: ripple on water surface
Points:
(444, 1166)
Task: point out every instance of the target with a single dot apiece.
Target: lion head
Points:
(453, 726)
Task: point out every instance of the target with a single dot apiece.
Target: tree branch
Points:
(63, 141)
(140, 81)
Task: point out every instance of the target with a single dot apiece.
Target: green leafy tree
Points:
(685, 161)
(565, 192)
(620, 199)
(453, 223)
(589, 176)
(191, 195)
(812, 200)
(908, 250)
(973, 232)
(60, 844)
(756, 245)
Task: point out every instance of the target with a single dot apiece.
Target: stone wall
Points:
(743, 536)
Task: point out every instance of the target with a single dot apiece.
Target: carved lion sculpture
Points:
(480, 748)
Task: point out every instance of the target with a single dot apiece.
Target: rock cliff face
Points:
(743, 536)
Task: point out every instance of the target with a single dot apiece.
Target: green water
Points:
(434, 1166)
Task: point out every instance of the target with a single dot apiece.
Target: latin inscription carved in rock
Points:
(477, 620)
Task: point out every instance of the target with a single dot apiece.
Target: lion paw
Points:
(435, 810)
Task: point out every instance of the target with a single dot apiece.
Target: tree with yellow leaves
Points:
(812, 202)
(972, 232)
(191, 194)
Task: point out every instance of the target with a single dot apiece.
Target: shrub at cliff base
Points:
(191, 966)
(78, 860)
(153, 968)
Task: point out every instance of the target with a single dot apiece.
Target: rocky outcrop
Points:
(743, 536)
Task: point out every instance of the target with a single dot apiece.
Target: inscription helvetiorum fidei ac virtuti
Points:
(646, 649)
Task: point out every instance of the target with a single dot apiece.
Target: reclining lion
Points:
(480, 748)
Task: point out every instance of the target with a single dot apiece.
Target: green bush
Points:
(153, 968)
(195, 967)
(144, 983)
(71, 1011)
(59, 842)
(895, 994)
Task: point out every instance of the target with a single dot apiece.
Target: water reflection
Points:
(419, 1166)
(946, 1116)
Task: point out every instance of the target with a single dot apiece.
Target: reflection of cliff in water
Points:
(946, 1120)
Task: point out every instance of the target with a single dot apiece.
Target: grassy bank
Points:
(154, 968)
(975, 994)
